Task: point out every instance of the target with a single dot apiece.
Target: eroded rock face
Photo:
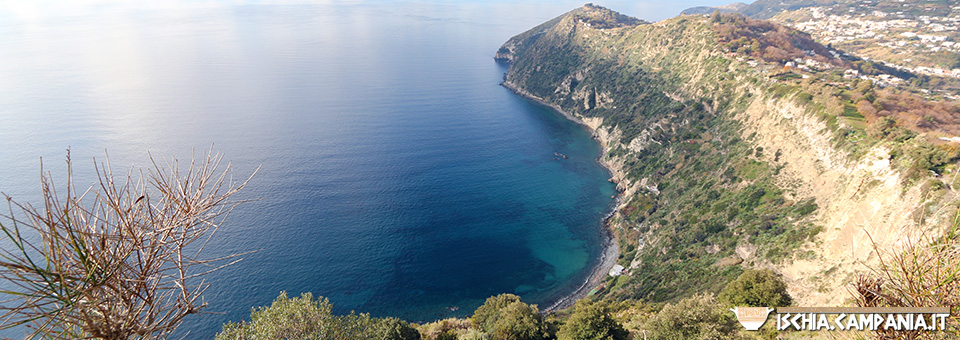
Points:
(863, 203)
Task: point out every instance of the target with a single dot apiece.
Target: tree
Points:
(119, 261)
(698, 317)
(866, 109)
(591, 321)
(756, 288)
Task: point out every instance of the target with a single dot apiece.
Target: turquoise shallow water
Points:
(398, 178)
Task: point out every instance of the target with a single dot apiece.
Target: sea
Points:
(396, 176)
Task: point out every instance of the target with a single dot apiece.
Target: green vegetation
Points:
(450, 329)
(505, 317)
(591, 321)
(756, 288)
(394, 329)
(305, 318)
(699, 317)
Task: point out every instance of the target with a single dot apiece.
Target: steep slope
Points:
(724, 161)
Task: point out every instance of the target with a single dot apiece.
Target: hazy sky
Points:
(652, 10)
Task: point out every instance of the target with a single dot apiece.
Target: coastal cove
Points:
(398, 177)
(611, 250)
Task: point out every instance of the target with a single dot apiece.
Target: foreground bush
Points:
(113, 261)
(591, 321)
(450, 329)
(305, 318)
(756, 288)
(925, 272)
(699, 317)
(505, 317)
(394, 329)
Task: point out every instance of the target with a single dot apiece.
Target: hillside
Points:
(731, 8)
(913, 37)
(765, 9)
(730, 159)
(761, 9)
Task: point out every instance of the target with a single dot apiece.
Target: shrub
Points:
(449, 329)
(113, 262)
(925, 272)
(472, 334)
(506, 317)
(756, 288)
(485, 316)
(591, 321)
(518, 321)
(928, 157)
(394, 329)
(306, 318)
(297, 318)
(698, 317)
(806, 207)
(882, 127)
(916, 158)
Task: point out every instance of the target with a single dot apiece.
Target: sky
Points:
(651, 10)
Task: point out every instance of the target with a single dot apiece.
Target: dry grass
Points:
(924, 273)
(121, 260)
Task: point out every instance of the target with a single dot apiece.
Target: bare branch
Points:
(120, 268)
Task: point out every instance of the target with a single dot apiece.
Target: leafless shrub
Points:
(121, 260)
(924, 273)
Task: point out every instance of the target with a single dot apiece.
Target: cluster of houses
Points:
(839, 28)
(895, 31)
(883, 80)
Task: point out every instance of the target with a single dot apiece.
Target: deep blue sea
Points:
(398, 178)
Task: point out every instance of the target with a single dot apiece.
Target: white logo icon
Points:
(752, 317)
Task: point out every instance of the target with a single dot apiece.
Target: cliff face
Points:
(863, 204)
(720, 169)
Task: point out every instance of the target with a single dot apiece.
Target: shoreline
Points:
(611, 249)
